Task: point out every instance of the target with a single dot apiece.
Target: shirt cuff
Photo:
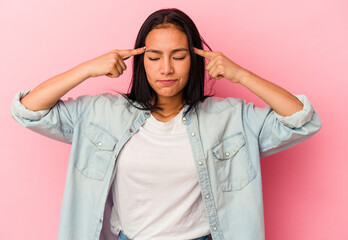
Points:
(299, 118)
(18, 109)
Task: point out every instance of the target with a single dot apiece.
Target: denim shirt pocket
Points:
(232, 163)
(99, 152)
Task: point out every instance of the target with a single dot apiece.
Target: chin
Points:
(168, 94)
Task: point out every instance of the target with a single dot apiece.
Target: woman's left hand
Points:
(280, 100)
(221, 67)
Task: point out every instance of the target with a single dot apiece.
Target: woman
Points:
(165, 161)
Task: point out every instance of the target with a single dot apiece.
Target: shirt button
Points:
(200, 163)
(100, 144)
(130, 130)
(193, 134)
(214, 228)
(227, 154)
(184, 118)
(100, 220)
(207, 196)
(147, 113)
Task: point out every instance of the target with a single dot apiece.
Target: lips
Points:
(167, 81)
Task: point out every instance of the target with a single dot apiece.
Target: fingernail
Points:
(144, 47)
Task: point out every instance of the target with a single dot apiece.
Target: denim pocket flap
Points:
(100, 138)
(229, 147)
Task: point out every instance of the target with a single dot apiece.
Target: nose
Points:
(166, 66)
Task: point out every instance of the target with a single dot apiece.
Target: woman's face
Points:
(167, 61)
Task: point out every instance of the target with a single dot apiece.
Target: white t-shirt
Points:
(156, 190)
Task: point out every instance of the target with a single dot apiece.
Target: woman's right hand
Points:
(110, 64)
(50, 91)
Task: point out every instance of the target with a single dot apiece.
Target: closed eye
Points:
(179, 58)
(155, 59)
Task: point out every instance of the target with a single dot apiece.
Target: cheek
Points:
(186, 68)
(149, 68)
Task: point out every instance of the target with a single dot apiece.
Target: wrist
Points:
(83, 71)
(242, 76)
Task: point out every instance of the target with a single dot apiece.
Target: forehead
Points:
(166, 38)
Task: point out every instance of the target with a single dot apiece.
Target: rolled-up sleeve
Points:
(19, 110)
(275, 132)
(56, 122)
(299, 118)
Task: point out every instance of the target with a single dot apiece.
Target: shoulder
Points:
(218, 104)
(88, 105)
(105, 97)
(101, 100)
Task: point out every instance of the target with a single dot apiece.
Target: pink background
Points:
(299, 45)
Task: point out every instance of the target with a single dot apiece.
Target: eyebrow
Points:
(173, 51)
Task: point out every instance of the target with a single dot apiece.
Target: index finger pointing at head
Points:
(204, 53)
(131, 52)
(137, 51)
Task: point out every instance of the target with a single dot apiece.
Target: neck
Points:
(170, 108)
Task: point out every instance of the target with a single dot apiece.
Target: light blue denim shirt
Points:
(227, 138)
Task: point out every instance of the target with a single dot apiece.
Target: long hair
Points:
(194, 92)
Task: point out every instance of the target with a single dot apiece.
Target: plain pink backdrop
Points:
(299, 45)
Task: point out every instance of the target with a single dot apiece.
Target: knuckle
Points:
(112, 62)
(115, 55)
